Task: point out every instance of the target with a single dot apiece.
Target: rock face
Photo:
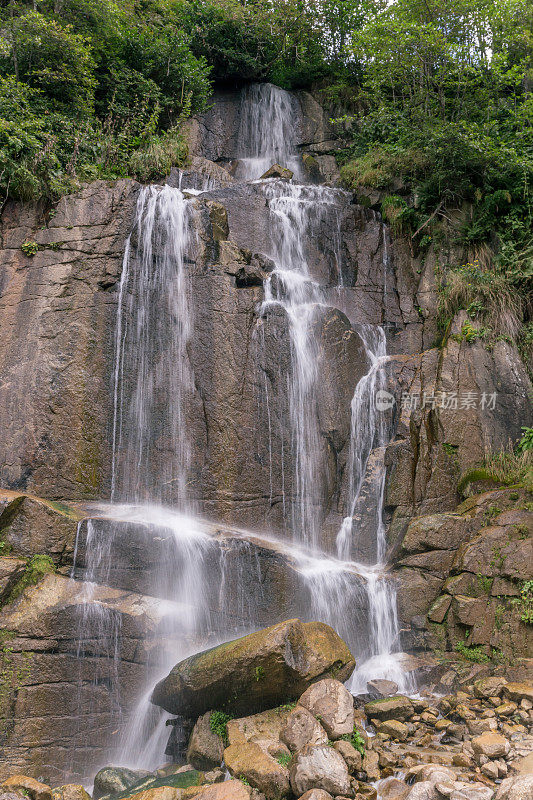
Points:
(261, 670)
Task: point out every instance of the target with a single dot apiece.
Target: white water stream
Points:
(153, 383)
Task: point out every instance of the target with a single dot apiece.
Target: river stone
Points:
(353, 758)
(302, 728)
(229, 790)
(249, 761)
(113, 780)
(520, 788)
(399, 707)
(277, 171)
(319, 767)
(371, 765)
(518, 691)
(491, 745)
(395, 729)
(206, 748)
(316, 794)
(471, 791)
(258, 671)
(380, 687)
(29, 787)
(425, 790)
(393, 789)
(435, 773)
(332, 704)
(71, 791)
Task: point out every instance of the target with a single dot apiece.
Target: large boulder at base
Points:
(113, 780)
(206, 748)
(263, 772)
(319, 767)
(331, 703)
(259, 671)
(491, 745)
(228, 790)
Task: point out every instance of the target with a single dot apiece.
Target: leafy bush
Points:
(525, 445)
(218, 722)
(475, 654)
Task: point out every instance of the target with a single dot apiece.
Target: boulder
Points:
(113, 780)
(277, 171)
(371, 765)
(258, 671)
(471, 791)
(332, 704)
(491, 745)
(206, 749)
(229, 790)
(393, 789)
(249, 761)
(316, 794)
(158, 793)
(425, 790)
(395, 729)
(71, 791)
(520, 788)
(319, 767)
(353, 758)
(435, 773)
(518, 691)
(489, 687)
(302, 728)
(381, 688)
(399, 707)
(29, 787)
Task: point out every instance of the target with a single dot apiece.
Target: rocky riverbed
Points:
(467, 736)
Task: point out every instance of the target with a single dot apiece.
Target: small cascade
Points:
(152, 376)
(296, 211)
(267, 133)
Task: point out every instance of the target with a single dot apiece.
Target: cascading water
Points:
(153, 378)
(206, 588)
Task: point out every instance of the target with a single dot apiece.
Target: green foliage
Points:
(259, 673)
(485, 294)
(284, 759)
(525, 602)
(501, 468)
(525, 444)
(36, 568)
(218, 722)
(485, 583)
(29, 248)
(356, 740)
(475, 654)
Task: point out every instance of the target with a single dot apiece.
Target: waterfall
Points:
(204, 586)
(152, 376)
(266, 133)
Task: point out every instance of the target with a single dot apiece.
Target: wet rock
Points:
(518, 691)
(471, 791)
(28, 786)
(206, 748)
(490, 769)
(393, 789)
(261, 670)
(395, 729)
(277, 171)
(491, 745)
(316, 794)
(113, 780)
(71, 791)
(319, 767)
(489, 687)
(371, 765)
(261, 770)
(425, 790)
(302, 728)
(331, 703)
(353, 758)
(228, 790)
(381, 688)
(399, 708)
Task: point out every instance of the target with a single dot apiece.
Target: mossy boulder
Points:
(259, 671)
